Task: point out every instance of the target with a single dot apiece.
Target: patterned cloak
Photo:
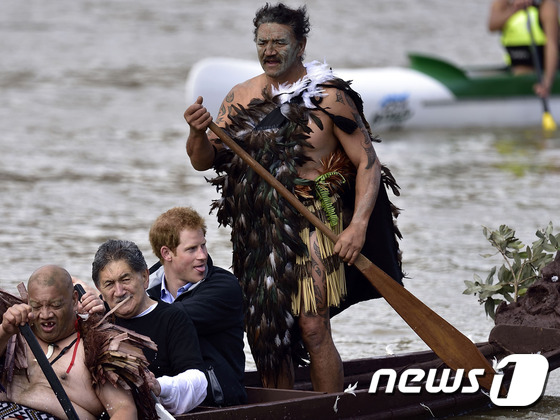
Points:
(265, 228)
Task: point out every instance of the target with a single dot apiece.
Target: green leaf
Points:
(509, 297)
(492, 288)
(490, 278)
(553, 240)
(472, 288)
(489, 307)
(504, 275)
(521, 266)
(550, 248)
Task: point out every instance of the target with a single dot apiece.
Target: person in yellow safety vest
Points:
(510, 17)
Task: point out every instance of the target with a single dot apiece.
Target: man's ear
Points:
(75, 299)
(146, 278)
(166, 253)
(302, 45)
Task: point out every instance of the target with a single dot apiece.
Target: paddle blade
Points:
(548, 122)
(452, 347)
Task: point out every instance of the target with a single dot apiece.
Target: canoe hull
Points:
(303, 403)
(308, 405)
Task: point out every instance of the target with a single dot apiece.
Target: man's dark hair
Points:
(296, 19)
(117, 250)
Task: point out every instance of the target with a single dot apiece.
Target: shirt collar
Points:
(147, 311)
(166, 295)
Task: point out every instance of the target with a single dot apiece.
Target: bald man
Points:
(51, 313)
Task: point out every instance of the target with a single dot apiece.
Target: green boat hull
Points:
(481, 82)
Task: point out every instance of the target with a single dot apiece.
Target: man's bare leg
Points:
(327, 373)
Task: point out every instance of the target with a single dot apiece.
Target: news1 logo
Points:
(527, 383)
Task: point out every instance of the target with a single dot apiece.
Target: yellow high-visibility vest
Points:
(515, 32)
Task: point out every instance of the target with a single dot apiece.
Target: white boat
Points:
(430, 93)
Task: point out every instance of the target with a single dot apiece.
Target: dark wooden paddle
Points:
(548, 122)
(44, 364)
(456, 350)
(49, 372)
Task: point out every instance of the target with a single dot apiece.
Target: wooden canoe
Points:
(303, 403)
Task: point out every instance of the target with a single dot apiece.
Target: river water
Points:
(92, 144)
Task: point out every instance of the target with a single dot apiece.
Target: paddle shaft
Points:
(49, 372)
(535, 57)
(456, 350)
(162, 413)
(537, 66)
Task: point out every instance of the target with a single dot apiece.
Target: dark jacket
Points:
(215, 306)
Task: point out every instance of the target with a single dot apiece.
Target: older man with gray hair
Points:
(120, 273)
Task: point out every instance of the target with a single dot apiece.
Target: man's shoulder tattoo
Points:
(225, 110)
(339, 96)
(367, 145)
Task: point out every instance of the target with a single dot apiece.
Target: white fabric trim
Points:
(183, 392)
(147, 311)
(317, 73)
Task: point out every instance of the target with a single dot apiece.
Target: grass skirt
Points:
(304, 300)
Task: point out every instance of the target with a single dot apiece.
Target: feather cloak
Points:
(265, 228)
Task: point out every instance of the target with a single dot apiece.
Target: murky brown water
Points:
(92, 143)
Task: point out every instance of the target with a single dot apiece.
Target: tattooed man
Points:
(307, 128)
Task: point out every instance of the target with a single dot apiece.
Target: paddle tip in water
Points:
(548, 122)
